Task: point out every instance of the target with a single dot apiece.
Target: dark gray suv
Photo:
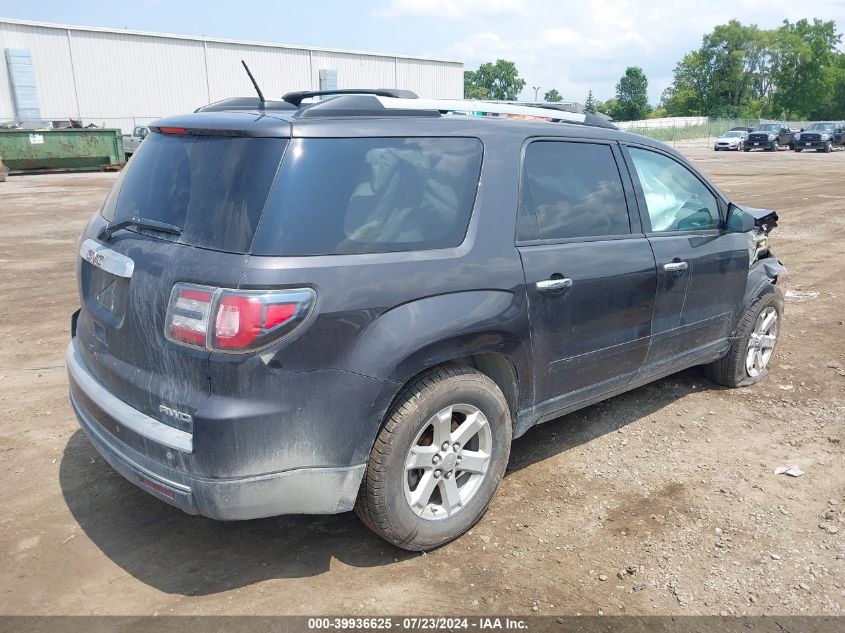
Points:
(359, 302)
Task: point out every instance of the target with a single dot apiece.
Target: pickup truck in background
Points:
(131, 142)
(770, 137)
(822, 137)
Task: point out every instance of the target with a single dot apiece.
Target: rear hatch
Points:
(213, 186)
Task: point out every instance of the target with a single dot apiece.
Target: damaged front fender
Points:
(763, 272)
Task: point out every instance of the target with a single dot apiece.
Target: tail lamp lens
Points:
(187, 318)
(243, 320)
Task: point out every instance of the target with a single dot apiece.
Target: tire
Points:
(746, 149)
(797, 149)
(732, 369)
(828, 148)
(384, 500)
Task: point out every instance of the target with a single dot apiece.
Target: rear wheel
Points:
(747, 361)
(438, 459)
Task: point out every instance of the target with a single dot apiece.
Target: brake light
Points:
(234, 320)
(172, 130)
(243, 318)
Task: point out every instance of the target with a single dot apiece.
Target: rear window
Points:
(371, 195)
(212, 187)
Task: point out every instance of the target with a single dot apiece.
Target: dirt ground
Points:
(660, 501)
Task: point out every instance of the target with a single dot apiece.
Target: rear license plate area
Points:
(104, 293)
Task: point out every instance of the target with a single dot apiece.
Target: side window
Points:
(676, 199)
(571, 190)
(341, 196)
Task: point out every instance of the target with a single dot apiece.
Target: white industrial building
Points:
(120, 78)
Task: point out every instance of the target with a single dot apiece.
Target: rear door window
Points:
(571, 190)
(371, 195)
(212, 187)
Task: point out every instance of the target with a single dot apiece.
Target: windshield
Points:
(732, 135)
(768, 127)
(820, 127)
(213, 188)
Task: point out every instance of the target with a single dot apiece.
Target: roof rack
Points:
(359, 105)
(506, 110)
(352, 102)
(296, 98)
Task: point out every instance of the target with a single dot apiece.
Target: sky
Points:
(571, 46)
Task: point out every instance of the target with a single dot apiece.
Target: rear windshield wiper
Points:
(140, 223)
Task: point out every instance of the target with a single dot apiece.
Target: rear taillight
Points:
(187, 314)
(234, 320)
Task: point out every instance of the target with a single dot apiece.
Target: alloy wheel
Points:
(447, 461)
(761, 343)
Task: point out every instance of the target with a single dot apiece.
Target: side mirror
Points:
(738, 220)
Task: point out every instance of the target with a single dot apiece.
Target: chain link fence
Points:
(695, 132)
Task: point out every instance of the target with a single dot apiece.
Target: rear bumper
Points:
(297, 491)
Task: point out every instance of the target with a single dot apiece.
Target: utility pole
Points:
(536, 90)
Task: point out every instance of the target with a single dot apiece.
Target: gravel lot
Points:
(660, 501)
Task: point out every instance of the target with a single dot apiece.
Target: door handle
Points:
(674, 267)
(549, 285)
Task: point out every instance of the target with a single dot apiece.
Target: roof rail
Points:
(296, 98)
(507, 110)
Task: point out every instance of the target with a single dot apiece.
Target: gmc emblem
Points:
(94, 258)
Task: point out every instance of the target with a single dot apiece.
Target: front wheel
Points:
(797, 149)
(747, 361)
(438, 459)
(828, 148)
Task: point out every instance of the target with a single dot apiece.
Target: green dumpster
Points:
(64, 150)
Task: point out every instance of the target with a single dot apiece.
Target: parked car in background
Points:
(769, 136)
(730, 140)
(314, 307)
(131, 142)
(741, 128)
(821, 137)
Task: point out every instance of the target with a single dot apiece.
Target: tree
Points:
(804, 77)
(739, 70)
(632, 96)
(608, 107)
(471, 88)
(835, 109)
(499, 81)
(590, 103)
(552, 96)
